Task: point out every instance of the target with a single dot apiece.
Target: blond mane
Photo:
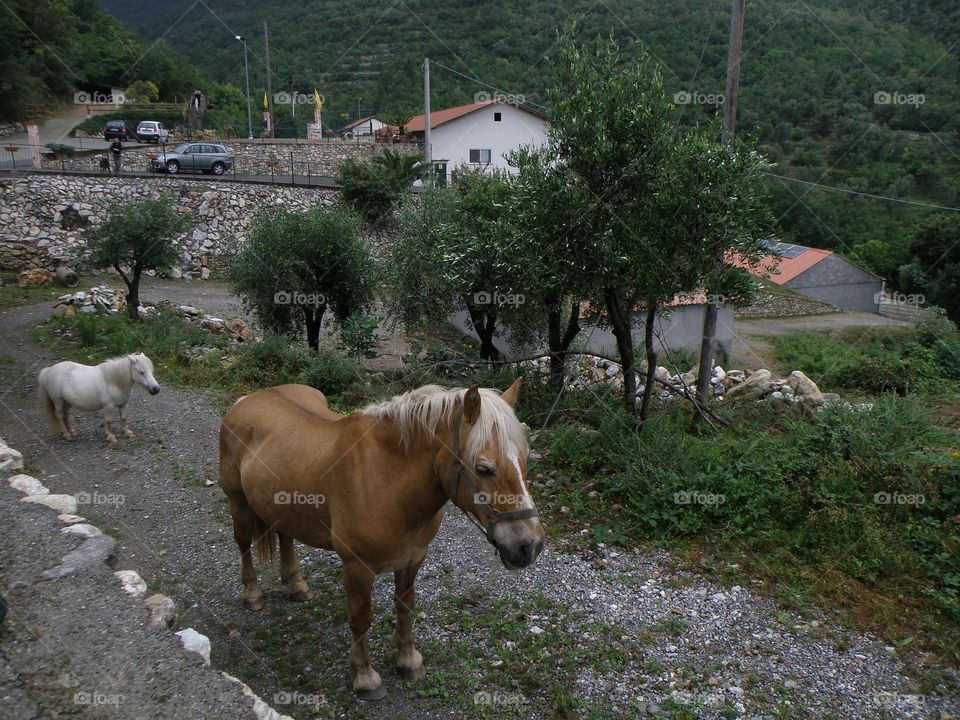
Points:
(424, 409)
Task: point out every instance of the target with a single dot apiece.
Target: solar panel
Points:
(787, 251)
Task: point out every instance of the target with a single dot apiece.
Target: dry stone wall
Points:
(44, 218)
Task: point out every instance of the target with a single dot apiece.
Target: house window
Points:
(481, 157)
(497, 117)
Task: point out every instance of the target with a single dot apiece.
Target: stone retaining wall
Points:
(43, 217)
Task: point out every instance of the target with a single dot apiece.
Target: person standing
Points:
(116, 154)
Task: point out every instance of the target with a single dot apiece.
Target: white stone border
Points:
(161, 609)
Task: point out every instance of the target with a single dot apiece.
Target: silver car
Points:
(194, 157)
(152, 131)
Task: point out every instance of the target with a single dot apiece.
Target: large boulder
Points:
(753, 388)
(805, 388)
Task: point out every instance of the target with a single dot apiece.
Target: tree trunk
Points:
(620, 322)
(133, 292)
(484, 324)
(707, 346)
(559, 344)
(651, 362)
(312, 318)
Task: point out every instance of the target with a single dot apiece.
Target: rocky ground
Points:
(586, 632)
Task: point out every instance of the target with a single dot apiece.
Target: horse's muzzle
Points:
(521, 554)
(155, 389)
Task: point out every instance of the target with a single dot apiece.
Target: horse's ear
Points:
(132, 359)
(510, 394)
(471, 404)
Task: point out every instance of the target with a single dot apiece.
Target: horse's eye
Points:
(485, 470)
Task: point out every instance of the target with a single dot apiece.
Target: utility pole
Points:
(246, 74)
(427, 150)
(709, 342)
(266, 49)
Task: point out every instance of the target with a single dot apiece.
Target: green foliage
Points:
(142, 91)
(358, 334)
(873, 361)
(135, 236)
(278, 359)
(50, 47)
(839, 489)
(934, 269)
(295, 266)
(373, 188)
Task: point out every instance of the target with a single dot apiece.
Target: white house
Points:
(479, 134)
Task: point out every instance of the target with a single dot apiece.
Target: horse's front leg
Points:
(409, 660)
(122, 410)
(108, 423)
(358, 582)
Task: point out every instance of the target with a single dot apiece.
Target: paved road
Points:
(53, 129)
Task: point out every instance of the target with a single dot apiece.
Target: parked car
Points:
(152, 131)
(118, 130)
(194, 157)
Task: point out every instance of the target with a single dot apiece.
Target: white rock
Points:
(70, 519)
(60, 503)
(195, 642)
(84, 530)
(28, 485)
(131, 582)
(10, 459)
(161, 609)
(261, 710)
(536, 630)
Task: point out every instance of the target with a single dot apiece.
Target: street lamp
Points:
(246, 73)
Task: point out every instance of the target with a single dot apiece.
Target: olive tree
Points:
(135, 237)
(297, 265)
(453, 250)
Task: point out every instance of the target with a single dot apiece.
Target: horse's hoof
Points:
(377, 693)
(417, 673)
(111, 439)
(301, 595)
(128, 433)
(255, 605)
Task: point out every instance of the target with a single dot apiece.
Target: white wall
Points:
(453, 140)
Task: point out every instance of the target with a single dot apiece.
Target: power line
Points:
(863, 194)
(481, 82)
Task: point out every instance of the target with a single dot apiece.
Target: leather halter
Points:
(491, 514)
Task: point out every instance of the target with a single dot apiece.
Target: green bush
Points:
(832, 490)
(280, 359)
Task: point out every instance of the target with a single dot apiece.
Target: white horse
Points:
(105, 387)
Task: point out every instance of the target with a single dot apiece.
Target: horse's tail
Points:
(264, 540)
(48, 407)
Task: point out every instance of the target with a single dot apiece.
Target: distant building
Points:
(366, 128)
(822, 275)
(479, 134)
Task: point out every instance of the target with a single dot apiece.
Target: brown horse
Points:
(372, 486)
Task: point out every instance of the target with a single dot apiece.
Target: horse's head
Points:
(141, 370)
(490, 463)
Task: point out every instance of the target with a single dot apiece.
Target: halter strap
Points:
(493, 516)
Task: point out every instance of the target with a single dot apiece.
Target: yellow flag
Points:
(316, 96)
(266, 105)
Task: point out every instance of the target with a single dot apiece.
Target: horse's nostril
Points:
(525, 551)
(154, 390)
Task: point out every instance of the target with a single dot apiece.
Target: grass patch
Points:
(13, 294)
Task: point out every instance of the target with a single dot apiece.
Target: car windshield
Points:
(148, 125)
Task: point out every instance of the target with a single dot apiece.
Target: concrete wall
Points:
(839, 282)
(677, 328)
(453, 140)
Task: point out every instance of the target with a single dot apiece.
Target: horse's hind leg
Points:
(62, 411)
(358, 582)
(243, 528)
(409, 660)
(290, 571)
(66, 422)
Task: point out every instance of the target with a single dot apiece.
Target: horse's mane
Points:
(422, 410)
(116, 371)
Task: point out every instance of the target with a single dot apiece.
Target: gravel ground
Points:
(673, 636)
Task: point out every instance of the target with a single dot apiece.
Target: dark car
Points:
(118, 130)
(194, 157)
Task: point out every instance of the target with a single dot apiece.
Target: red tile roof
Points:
(438, 117)
(784, 269)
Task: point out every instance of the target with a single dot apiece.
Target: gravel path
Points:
(621, 634)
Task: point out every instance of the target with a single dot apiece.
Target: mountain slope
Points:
(855, 93)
